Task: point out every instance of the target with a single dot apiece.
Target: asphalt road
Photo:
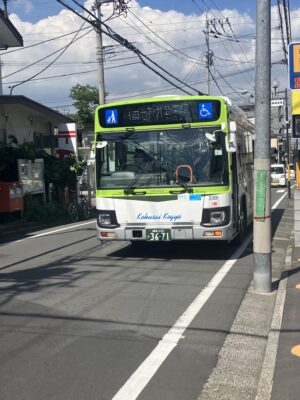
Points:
(82, 320)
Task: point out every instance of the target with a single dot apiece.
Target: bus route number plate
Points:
(158, 235)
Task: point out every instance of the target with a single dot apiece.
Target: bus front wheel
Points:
(238, 240)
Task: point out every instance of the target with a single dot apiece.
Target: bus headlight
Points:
(107, 219)
(217, 217)
(104, 219)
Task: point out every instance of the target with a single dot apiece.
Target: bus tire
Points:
(238, 240)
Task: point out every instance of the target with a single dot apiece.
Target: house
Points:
(9, 36)
(29, 121)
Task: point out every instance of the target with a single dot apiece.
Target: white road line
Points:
(55, 231)
(280, 191)
(279, 201)
(141, 377)
(144, 373)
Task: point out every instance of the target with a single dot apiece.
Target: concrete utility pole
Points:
(100, 55)
(262, 277)
(208, 59)
(1, 85)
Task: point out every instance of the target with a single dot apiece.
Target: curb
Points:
(265, 384)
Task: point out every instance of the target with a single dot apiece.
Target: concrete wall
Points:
(22, 123)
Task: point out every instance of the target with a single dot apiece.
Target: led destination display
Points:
(160, 113)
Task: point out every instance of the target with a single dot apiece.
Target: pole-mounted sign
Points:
(294, 65)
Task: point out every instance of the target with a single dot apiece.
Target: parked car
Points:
(292, 172)
(278, 175)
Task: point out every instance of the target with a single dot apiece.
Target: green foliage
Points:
(36, 210)
(9, 156)
(61, 173)
(86, 99)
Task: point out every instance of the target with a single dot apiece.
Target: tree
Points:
(86, 99)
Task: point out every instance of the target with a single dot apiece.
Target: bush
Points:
(36, 210)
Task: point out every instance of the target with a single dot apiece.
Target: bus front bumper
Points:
(166, 233)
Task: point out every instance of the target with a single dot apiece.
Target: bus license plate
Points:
(158, 235)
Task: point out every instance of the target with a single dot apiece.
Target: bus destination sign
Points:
(160, 113)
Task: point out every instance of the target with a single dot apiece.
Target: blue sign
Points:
(195, 197)
(111, 117)
(294, 65)
(205, 110)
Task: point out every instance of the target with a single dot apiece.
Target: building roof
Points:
(9, 36)
(34, 107)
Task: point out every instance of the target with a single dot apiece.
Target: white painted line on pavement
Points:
(144, 373)
(55, 231)
(279, 201)
(280, 191)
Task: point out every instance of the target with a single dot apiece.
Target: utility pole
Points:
(208, 59)
(1, 85)
(287, 126)
(262, 275)
(100, 54)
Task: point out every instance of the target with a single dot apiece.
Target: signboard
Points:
(277, 103)
(159, 113)
(67, 140)
(31, 174)
(296, 113)
(294, 65)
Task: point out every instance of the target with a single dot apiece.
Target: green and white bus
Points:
(173, 168)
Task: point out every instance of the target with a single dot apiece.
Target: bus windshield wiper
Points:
(187, 189)
(130, 189)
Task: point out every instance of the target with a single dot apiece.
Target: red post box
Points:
(11, 197)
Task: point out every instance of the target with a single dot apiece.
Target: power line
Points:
(49, 65)
(116, 37)
(44, 58)
(37, 44)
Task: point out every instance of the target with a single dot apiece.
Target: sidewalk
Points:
(19, 227)
(287, 368)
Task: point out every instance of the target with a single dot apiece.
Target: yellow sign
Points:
(295, 102)
(296, 54)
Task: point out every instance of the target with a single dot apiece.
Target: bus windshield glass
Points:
(152, 158)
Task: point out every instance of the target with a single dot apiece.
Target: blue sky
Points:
(180, 49)
(34, 10)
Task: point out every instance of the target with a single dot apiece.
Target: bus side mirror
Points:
(231, 138)
(232, 126)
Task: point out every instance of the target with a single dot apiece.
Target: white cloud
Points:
(125, 77)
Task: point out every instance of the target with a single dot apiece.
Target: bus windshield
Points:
(152, 158)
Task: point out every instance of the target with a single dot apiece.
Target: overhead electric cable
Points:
(113, 35)
(52, 62)
(42, 42)
(44, 58)
(162, 39)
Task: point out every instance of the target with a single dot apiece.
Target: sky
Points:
(169, 32)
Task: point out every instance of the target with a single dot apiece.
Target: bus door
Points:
(235, 189)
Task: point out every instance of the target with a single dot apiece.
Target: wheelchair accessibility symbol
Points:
(111, 117)
(205, 110)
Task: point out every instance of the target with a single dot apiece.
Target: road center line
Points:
(141, 377)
